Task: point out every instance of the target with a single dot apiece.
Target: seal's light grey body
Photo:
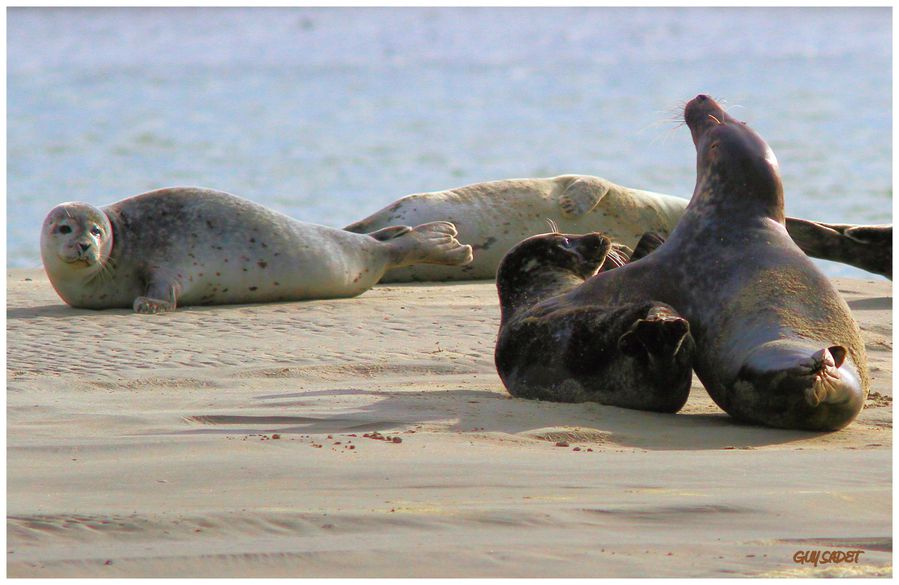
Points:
(189, 246)
(495, 216)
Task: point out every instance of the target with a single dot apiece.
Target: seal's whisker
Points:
(657, 123)
(677, 111)
(553, 228)
(106, 271)
(717, 121)
(670, 132)
(674, 117)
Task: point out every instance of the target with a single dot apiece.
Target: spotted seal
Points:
(775, 342)
(191, 246)
(634, 355)
(494, 216)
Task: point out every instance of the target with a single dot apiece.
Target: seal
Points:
(633, 355)
(775, 342)
(192, 246)
(496, 215)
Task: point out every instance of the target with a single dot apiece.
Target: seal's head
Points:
(580, 255)
(547, 264)
(732, 161)
(76, 240)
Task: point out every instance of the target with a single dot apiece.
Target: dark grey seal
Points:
(634, 355)
(775, 342)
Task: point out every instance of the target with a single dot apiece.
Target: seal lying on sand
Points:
(187, 246)
(634, 355)
(775, 342)
(496, 215)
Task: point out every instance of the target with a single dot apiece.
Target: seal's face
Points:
(730, 153)
(547, 265)
(577, 254)
(77, 235)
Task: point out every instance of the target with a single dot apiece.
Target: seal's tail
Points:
(798, 387)
(429, 243)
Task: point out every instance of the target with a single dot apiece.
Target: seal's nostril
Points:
(702, 97)
(84, 247)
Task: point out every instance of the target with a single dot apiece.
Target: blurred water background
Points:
(329, 114)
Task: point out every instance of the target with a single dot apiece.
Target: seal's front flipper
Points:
(429, 243)
(147, 305)
(389, 233)
(161, 297)
(647, 244)
(661, 334)
(581, 196)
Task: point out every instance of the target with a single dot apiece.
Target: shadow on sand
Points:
(483, 411)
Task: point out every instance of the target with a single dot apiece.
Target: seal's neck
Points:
(524, 290)
(735, 195)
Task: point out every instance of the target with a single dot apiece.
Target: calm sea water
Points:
(329, 114)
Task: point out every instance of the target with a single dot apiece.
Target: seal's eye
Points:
(64, 229)
(96, 231)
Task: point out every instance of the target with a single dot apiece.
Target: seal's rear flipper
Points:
(582, 195)
(389, 233)
(824, 367)
(647, 244)
(790, 386)
(869, 247)
(661, 334)
(429, 243)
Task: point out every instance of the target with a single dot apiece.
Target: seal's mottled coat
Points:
(634, 355)
(189, 246)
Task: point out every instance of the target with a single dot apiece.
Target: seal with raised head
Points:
(634, 355)
(494, 216)
(191, 246)
(775, 342)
